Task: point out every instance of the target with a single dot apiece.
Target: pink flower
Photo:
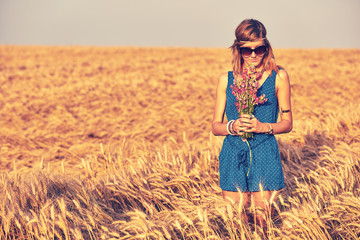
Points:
(245, 90)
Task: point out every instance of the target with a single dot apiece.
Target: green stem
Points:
(250, 157)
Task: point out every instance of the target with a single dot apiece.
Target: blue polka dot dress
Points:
(236, 172)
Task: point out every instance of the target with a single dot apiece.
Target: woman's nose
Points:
(253, 54)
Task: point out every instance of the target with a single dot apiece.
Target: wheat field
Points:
(116, 143)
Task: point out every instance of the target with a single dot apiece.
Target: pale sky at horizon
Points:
(178, 23)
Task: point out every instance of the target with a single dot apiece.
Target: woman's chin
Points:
(254, 63)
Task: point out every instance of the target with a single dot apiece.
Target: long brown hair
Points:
(247, 31)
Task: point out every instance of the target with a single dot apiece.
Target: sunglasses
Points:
(259, 51)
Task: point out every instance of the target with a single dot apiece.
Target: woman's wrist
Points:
(264, 128)
(268, 128)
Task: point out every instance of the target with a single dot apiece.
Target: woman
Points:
(251, 168)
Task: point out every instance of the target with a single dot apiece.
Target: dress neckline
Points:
(265, 80)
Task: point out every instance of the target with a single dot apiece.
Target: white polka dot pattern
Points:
(234, 158)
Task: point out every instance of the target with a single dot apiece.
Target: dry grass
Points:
(115, 143)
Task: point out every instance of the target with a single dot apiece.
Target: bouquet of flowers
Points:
(245, 90)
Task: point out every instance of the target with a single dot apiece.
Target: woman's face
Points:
(253, 53)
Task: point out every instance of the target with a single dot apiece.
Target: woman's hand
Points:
(239, 127)
(249, 123)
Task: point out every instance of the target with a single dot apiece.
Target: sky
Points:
(178, 23)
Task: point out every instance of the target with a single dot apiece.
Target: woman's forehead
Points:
(254, 44)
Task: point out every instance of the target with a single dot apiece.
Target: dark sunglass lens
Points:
(260, 50)
(245, 51)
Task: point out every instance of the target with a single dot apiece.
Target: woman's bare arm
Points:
(218, 125)
(283, 94)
